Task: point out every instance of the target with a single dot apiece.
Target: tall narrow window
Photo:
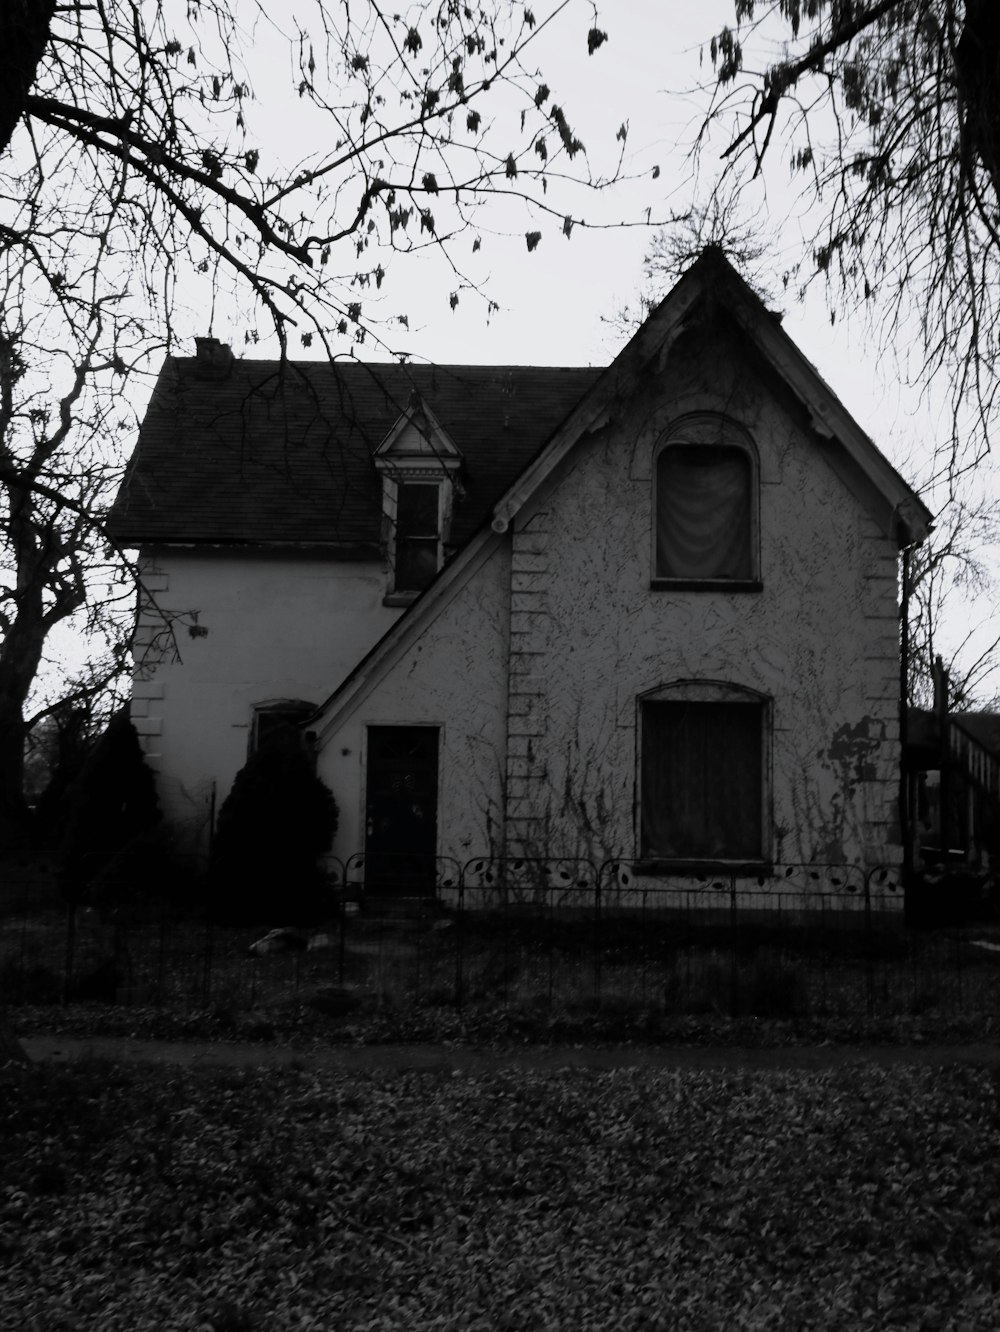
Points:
(702, 779)
(417, 538)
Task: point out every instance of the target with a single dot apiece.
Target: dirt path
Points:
(472, 1060)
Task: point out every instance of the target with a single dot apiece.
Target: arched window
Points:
(706, 505)
(271, 718)
(703, 773)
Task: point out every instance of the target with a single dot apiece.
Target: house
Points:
(645, 614)
(951, 763)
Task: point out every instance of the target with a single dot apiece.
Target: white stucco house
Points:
(646, 612)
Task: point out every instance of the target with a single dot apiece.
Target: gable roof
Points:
(263, 458)
(417, 438)
(984, 727)
(710, 282)
(924, 732)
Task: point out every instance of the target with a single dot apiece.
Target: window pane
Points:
(417, 537)
(703, 512)
(416, 563)
(417, 510)
(277, 721)
(701, 781)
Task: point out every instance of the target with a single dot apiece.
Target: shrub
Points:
(272, 828)
(27, 982)
(950, 895)
(112, 806)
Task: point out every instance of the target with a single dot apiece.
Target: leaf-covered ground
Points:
(299, 1026)
(142, 1197)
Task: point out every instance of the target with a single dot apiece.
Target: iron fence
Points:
(570, 932)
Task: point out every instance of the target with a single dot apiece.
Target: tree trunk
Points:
(977, 60)
(24, 35)
(15, 816)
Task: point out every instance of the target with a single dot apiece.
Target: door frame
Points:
(426, 888)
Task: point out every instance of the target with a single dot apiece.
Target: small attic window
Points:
(419, 465)
(417, 535)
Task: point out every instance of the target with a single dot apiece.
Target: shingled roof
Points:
(261, 457)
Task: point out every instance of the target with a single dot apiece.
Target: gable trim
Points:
(403, 634)
(909, 517)
(442, 451)
(597, 408)
(833, 423)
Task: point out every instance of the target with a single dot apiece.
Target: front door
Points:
(401, 809)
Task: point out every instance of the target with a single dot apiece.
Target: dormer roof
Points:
(417, 443)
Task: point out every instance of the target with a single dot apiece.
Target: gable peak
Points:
(417, 438)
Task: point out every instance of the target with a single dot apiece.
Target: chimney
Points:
(213, 359)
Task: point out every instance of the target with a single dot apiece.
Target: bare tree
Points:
(717, 224)
(889, 111)
(952, 607)
(142, 185)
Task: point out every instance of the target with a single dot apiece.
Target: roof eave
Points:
(830, 419)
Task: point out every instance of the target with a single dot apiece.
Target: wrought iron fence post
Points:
(460, 940)
(597, 937)
(206, 971)
(341, 941)
(869, 948)
(957, 943)
(70, 947)
(734, 980)
(160, 967)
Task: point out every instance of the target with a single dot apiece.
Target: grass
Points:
(621, 974)
(141, 1197)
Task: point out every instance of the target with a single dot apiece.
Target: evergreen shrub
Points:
(274, 825)
(112, 812)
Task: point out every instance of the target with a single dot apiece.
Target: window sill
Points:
(706, 585)
(704, 868)
(401, 598)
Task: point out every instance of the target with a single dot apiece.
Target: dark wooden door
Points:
(401, 809)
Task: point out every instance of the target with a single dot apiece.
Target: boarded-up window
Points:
(702, 780)
(704, 513)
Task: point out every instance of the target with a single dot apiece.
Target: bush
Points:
(950, 895)
(28, 982)
(273, 826)
(112, 807)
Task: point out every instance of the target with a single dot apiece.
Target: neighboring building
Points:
(648, 612)
(960, 779)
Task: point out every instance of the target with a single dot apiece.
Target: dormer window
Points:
(419, 465)
(417, 535)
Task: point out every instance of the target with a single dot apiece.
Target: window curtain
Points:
(703, 513)
(701, 781)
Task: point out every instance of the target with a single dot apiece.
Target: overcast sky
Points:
(555, 302)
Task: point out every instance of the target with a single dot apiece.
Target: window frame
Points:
(707, 430)
(444, 485)
(435, 539)
(706, 692)
(287, 709)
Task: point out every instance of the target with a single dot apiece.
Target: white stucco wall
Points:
(819, 639)
(455, 678)
(533, 669)
(265, 628)
(569, 588)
